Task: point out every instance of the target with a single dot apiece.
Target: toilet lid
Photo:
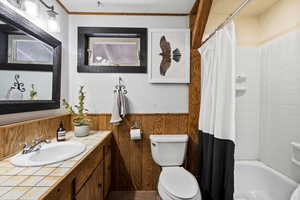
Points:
(179, 182)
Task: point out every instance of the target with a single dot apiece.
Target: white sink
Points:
(49, 154)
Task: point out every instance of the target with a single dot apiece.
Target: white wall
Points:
(247, 28)
(280, 19)
(143, 96)
(248, 104)
(63, 37)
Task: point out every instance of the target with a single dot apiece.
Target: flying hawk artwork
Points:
(167, 55)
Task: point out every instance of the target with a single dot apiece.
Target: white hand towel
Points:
(115, 115)
(123, 106)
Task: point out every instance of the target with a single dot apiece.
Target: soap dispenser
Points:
(61, 133)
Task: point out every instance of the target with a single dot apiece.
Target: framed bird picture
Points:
(169, 55)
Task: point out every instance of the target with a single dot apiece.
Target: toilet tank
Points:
(168, 150)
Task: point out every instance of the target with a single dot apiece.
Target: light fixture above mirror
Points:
(31, 7)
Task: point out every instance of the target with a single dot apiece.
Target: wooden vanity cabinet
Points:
(89, 180)
(93, 188)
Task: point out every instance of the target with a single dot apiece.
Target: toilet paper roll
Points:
(135, 134)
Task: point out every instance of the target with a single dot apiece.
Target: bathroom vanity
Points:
(86, 176)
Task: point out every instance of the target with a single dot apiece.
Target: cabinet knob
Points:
(99, 185)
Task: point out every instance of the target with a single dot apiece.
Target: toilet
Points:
(175, 183)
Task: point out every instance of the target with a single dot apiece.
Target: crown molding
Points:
(129, 13)
(62, 6)
(119, 13)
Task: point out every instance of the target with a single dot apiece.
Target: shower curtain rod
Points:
(228, 19)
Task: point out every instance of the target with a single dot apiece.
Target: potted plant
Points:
(80, 120)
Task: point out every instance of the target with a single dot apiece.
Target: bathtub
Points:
(256, 181)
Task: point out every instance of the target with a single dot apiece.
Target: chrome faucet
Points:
(35, 146)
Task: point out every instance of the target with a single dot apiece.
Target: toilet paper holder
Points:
(135, 131)
(136, 125)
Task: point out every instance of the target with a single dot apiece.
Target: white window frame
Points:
(12, 50)
(110, 40)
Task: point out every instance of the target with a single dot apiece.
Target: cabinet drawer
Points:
(87, 167)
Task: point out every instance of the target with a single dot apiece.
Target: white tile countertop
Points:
(30, 183)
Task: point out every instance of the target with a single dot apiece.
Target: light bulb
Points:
(52, 24)
(31, 7)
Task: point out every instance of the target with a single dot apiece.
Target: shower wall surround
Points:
(280, 102)
(248, 104)
(268, 113)
(275, 82)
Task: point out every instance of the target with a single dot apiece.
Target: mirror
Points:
(30, 62)
(20, 85)
(19, 48)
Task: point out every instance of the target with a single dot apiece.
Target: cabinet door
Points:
(93, 188)
(87, 167)
(63, 191)
(107, 173)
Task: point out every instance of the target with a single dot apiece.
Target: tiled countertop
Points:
(30, 183)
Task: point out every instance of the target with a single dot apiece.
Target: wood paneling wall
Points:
(14, 136)
(132, 165)
(198, 20)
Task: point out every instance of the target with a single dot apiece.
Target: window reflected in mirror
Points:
(26, 50)
(19, 48)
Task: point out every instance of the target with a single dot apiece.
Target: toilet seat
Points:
(178, 184)
(165, 195)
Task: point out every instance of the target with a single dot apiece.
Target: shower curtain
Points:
(217, 115)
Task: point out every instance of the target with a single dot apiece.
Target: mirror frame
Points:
(10, 16)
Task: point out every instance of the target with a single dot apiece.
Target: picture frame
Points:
(169, 56)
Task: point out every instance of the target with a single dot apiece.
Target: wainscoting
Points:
(132, 164)
(14, 136)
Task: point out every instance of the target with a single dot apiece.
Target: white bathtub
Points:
(256, 181)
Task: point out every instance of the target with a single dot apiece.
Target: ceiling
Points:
(140, 6)
(254, 8)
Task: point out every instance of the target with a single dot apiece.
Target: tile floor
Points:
(133, 195)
